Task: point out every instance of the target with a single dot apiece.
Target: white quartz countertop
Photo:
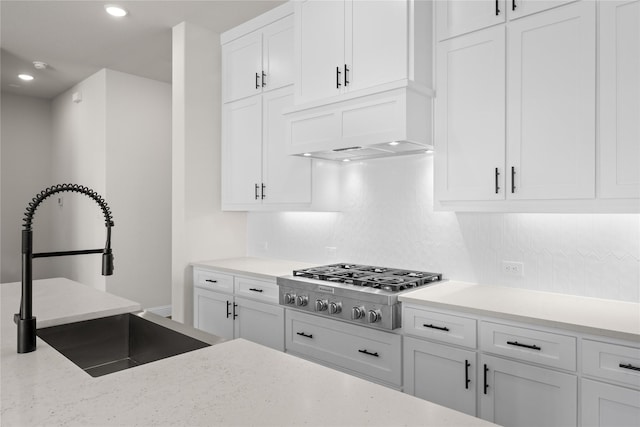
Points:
(233, 383)
(610, 318)
(261, 268)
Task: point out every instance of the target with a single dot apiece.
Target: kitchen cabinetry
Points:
(611, 397)
(550, 77)
(455, 17)
(619, 103)
(259, 61)
(349, 45)
(365, 352)
(238, 307)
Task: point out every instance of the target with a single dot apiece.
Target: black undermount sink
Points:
(110, 344)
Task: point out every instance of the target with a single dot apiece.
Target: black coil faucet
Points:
(25, 320)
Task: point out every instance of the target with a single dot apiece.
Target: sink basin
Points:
(110, 344)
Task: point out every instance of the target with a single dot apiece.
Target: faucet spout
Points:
(24, 319)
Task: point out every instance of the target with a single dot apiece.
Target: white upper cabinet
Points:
(259, 61)
(518, 8)
(457, 17)
(470, 113)
(551, 63)
(347, 45)
(619, 110)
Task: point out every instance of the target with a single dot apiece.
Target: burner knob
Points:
(335, 307)
(302, 300)
(374, 316)
(357, 312)
(289, 298)
(321, 304)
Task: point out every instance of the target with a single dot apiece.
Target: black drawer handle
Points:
(440, 328)
(228, 312)
(629, 366)
(211, 281)
(466, 374)
(369, 353)
(256, 290)
(234, 310)
(513, 179)
(513, 5)
(517, 344)
(264, 81)
(338, 84)
(497, 174)
(302, 334)
(486, 386)
(497, 8)
(257, 78)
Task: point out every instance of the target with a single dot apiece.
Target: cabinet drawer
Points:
(440, 327)
(212, 280)
(611, 362)
(256, 289)
(530, 345)
(357, 349)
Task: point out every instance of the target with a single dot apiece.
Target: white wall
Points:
(389, 220)
(200, 230)
(138, 186)
(25, 145)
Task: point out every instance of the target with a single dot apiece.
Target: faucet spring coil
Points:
(59, 188)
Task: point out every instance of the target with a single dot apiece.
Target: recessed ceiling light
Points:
(394, 143)
(346, 160)
(25, 77)
(114, 10)
(307, 154)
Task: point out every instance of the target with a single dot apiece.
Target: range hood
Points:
(386, 122)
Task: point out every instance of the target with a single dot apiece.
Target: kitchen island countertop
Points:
(609, 318)
(233, 383)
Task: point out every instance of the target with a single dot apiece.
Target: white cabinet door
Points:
(470, 117)
(319, 49)
(242, 67)
(213, 312)
(605, 405)
(375, 53)
(287, 179)
(259, 322)
(519, 8)
(619, 81)
(242, 151)
(455, 17)
(440, 374)
(516, 394)
(277, 54)
(551, 99)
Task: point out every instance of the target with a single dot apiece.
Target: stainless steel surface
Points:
(360, 294)
(110, 344)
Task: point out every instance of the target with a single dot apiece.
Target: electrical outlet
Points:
(513, 268)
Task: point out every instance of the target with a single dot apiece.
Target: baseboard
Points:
(164, 310)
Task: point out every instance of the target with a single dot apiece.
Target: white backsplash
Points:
(389, 220)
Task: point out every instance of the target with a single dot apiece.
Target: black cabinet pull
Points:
(257, 78)
(263, 194)
(486, 386)
(513, 179)
(302, 334)
(255, 191)
(264, 79)
(440, 328)
(346, 76)
(338, 84)
(255, 290)
(497, 174)
(466, 374)
(368, 353)
(228, 312)
(211, 281)
(629, 366)
(497, 8)
(513, 5)
(234, 310)
(517, 344)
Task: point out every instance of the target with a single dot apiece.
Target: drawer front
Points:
(212, 280)
(611, 362)
(440, 327)
(530, 345)
(256, 289)
(358, 349)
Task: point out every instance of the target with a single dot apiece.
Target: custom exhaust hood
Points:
(387, 121)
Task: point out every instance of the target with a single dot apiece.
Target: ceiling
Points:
(78, 38)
